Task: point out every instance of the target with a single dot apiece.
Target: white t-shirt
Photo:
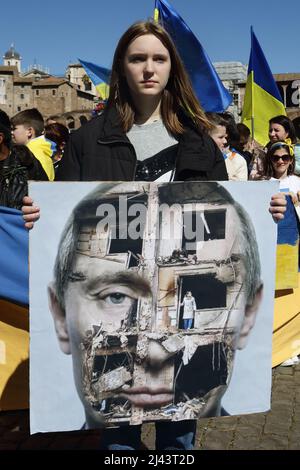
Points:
(289, 183)
(155, 150)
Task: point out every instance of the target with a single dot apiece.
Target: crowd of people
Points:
(151, 129)
(214, 147)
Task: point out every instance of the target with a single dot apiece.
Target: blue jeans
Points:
(187, 323)
(179, 435)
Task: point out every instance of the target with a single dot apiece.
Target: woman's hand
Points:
(30, 212)
(278, 206)
(293, 197)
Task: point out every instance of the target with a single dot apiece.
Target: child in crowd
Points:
(224, 132)
(28, 129)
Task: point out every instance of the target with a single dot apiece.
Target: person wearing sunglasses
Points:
(280, 164)
(281, 129)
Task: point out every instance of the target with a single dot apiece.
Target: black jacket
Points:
(15, 171)
(101, 151)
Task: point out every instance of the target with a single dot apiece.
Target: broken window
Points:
(121, 242)
(199, 226)
(126, 235)
(216, 220)
(207, 291)
(206, 370)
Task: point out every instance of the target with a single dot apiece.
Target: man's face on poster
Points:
(122, 365)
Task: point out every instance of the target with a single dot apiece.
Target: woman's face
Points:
(147, 66)
(277, 133)
(281, 161)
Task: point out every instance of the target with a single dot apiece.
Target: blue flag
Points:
(100, 77)
(207, 85)
(14, 278)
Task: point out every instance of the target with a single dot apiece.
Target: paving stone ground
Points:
(278, 429)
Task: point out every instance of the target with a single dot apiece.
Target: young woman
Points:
(280, 164)
(152, 127)
(281, 129)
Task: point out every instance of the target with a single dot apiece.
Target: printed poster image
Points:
(150, 302)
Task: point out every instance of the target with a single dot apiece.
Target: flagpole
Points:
(156, 12)
(252, 88)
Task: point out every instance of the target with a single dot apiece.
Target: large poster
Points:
(153, 289)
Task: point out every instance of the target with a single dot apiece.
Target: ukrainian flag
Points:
(262, 98)
(286, 331)
(14, 315)
(207, 85)
(14, 278)
(100, 77)
(287, 249)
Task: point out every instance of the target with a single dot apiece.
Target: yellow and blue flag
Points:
(262, 98)
(100, 77)
(207, 85)
(287, 265)
(14, 277)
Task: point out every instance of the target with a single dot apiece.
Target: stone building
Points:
(12, 58)
(76, 74)
(232, 74)
(289, 87)
(37, 88)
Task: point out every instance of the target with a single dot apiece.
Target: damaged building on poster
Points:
(176, 237)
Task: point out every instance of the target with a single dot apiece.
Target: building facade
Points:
(76, 74)
(232, 74)
(36, 88)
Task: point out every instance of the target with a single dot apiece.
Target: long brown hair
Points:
(268, 167)
(177, 97)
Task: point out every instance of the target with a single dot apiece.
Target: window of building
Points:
(207, 291)
(37, 92)
(119, 243)
(22, 96)
(18, 108)
(53, 92)
(235, 99)
(202, 226)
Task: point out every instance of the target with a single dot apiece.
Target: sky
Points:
(55, 33)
